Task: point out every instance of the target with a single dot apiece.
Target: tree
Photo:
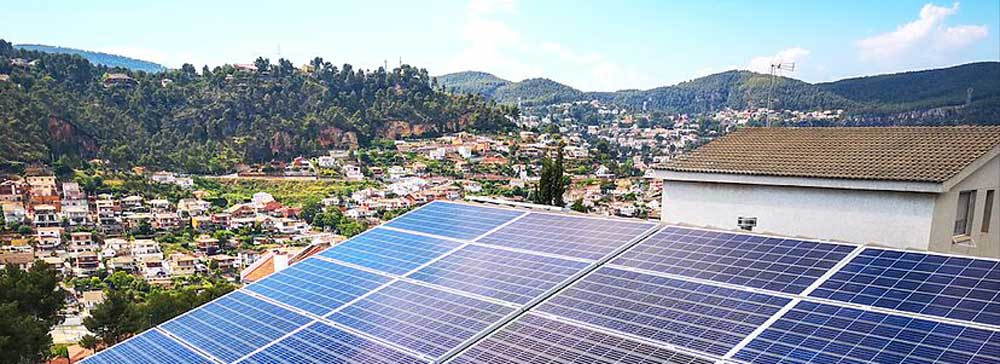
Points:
(578, 206)
(89, 342)
(115, 319)
(552, 184)
(23, 339)
(30, 302)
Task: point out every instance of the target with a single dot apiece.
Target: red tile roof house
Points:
(923, 188)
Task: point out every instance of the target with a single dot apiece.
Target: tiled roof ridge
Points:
(902, 153)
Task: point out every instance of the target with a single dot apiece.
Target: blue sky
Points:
(592, 45)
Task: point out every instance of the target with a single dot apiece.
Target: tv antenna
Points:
(775, 69)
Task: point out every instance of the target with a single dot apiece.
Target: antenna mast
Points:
(775, 69)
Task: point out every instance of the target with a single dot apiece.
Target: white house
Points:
(923, 188)
(353, 173)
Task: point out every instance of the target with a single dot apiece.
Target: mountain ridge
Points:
(99, 58)
(930, 94)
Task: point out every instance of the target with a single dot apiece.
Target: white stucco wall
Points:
(985, 244)
(897, 219)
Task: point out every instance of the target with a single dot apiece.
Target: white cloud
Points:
(762, 64)
(960, 36)
(490, 42)
(928, 29)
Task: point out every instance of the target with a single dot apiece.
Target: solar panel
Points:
(234, 325)
(783, 265)
(505, 275)
(152, 347)
(536, 339)
(588, 238)
(697, 316)
(322, 343)
(821, 333)
(390, 251)
(317, 286)
(426, 320)
(958, 288)
(454, 220)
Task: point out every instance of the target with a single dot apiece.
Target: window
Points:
(988, 211)
(964, 215)
(746, 223)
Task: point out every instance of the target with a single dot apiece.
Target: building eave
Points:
(971, 168)
(805, 182)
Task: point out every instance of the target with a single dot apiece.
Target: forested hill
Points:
(64, 108)
(98, 58)
(931, 96)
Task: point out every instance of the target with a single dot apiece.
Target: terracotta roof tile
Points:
(263, 270)
(919, 154)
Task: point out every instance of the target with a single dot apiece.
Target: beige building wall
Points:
(946, 208)
(896, 219)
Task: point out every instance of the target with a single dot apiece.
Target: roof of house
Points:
(913, 154)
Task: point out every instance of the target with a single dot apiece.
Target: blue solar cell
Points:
(321, 343)
(536, 339)
(317, 286)
(784, 265)
(697, 316)
(820, 333)
(959, 288)
(501, 274)
(234, 325)
(589, 238)
(454, 220)
(390, 251)
(426, 320)
(152, 347)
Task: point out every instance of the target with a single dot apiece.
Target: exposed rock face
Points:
(401, 129)
(335, 137)
(65, 135)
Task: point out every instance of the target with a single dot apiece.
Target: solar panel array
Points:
(953, 287)
(777, 264)
(461, 283)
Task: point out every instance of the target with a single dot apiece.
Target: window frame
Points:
(988, 211)
(969, 218)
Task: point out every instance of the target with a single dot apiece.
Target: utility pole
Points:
(775, 68)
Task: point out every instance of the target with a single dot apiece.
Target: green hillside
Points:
(922, 97)
(472, 82)
(64, 107)
(98, 58)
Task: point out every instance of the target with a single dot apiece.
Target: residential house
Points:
(13, 212)
(82, 241)
(353, 173)
(21, 260)
(13, 191)
(922, 188)
(115, 247)
(75, 206)
(152, 267)
(207, 245)
(45, 216)
(48, 238)
(166, 220)
(193, 207)
(86, 264)
(118, 79)
(182, 265)
(326, 161)
(159, 205)
(144, 248)
(225, 263)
